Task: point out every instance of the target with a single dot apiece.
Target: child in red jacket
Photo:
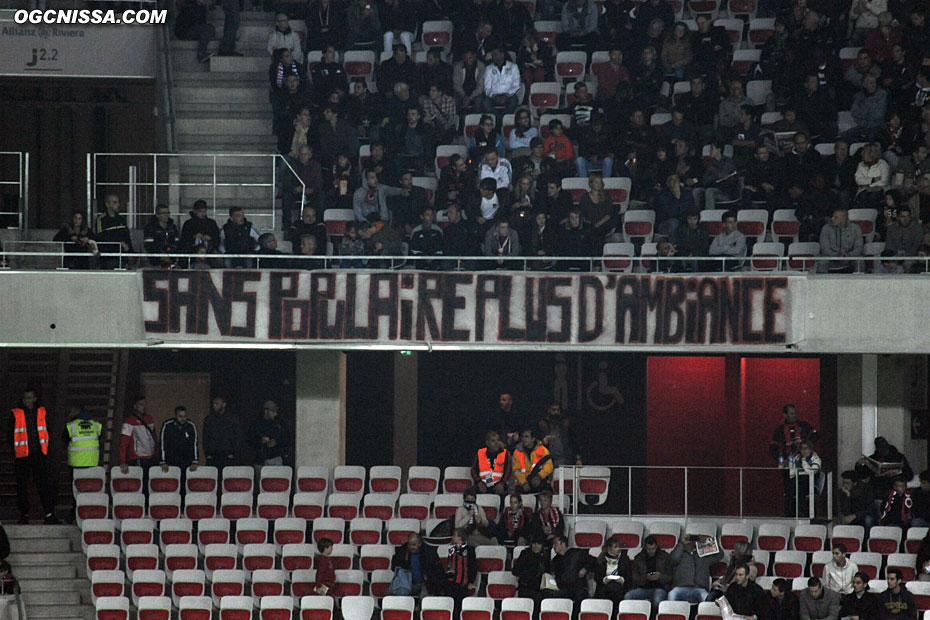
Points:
(325, 571)
(559, 147)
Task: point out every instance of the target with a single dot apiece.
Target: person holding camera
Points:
(692, 572)
(471, 519)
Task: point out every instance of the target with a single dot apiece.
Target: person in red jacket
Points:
(558, 146)
(325, 571)
(138, 444)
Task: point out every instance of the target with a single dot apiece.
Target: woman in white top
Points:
(872, 177)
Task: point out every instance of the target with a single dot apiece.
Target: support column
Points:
(869, 402)
(321, 408)
(849, 411)
(405, 409)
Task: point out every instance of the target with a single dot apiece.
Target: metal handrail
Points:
(22, 187)
(168, 91)
(469, 263)
(573, 472)
(105, 248)
(95, 187)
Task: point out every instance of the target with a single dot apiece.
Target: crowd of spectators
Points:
(716, 149)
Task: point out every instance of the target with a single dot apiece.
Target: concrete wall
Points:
(320, 412)
(834, 314)
(878, 391)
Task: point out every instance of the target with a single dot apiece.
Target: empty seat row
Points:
(277, 607)
(275, 478)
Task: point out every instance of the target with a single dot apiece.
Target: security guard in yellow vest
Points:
(83, 440)
(29, 432)
(83, 436)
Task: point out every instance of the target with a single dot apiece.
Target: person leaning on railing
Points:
(76, 238)
(110, 229)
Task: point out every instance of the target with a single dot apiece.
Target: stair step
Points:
(183, 60)
(199, 144)
(202, 164)
(61, 598)
(251, 47)
(220, 95)
(42, 531)
(62, 571)
(73, 558)
(57, 613)
(243, 178)
(54, 585)
(239, 64)
(229, 193)
(51, 545)
(192, 78)
(241, 112)
(254, 32)
(218, 127)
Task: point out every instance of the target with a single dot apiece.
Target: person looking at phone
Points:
(651, 575)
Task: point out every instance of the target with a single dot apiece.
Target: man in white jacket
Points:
(283, 36)
(501, 84)
(838, 574)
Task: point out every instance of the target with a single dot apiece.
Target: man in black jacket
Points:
(691, 241)
(328, 76)
(780, 603)
(460, 238)
(308, 224)
(179, 444)
(570, 567)
(268, 437)
(200, 230)
(238, 236)
(110, 229)
(745, 596)
(161, 236)
(896, 603)
(529, 568)
(408, 206)
(426, 240)
(762, 181)
(222, 435)
(397, 68)
(816, 109)
(423, 564)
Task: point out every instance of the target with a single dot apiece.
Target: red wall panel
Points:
(721, 412)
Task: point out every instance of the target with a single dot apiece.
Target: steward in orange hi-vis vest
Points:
(30, 440)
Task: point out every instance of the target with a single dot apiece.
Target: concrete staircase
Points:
(222, 107)
(50, 566)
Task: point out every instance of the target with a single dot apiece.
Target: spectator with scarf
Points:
(461, 570)
(548, 521)
(513, 527)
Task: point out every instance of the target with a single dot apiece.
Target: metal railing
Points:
(165, 83)
(143, 182)
(19, 181)
(739, 492)
(58, 255)
(560, 264)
